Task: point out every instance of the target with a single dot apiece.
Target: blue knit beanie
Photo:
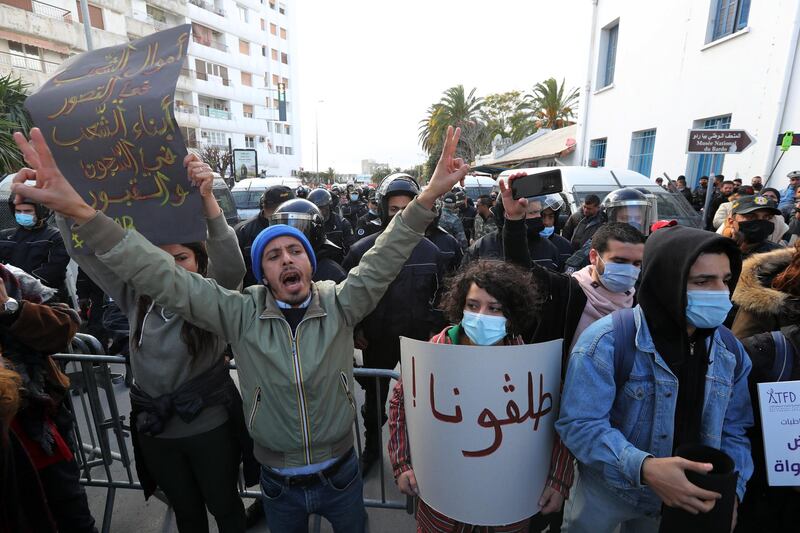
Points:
(273, 232)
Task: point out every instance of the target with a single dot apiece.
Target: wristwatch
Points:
(10, 307)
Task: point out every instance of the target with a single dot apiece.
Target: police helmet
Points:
(630, 206)
(394, 185)
(325, 201)
(41, 211)
(301, 191)
(303, 215)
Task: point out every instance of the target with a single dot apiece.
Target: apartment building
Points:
(240, 58)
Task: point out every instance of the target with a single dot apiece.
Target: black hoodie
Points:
(668, 256)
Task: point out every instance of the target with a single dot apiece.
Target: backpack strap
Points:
(624, 344)
(784, 357)
(728, 339)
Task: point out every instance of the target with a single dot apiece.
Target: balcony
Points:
(211, 43)
(212, 78)
(185, 108)
(215, 113)
(41, 9)
(208, 6)
(17, 61)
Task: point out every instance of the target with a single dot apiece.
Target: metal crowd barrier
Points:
(92, 388)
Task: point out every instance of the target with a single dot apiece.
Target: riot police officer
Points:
(371, 222)
(355, 208)
(449, 220)
(405, 309)
(448, 246)
(338, 229)
(301, 192)
(307, 217)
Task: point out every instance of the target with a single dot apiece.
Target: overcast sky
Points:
(379, 64)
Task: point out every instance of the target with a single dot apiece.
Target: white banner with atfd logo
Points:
(481, 426)
(780, 422)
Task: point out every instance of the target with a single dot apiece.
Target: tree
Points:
(550, 108)
(458, 109)
(381, 172)
(219, 159)
(330, 175)
(505, 115)
(13, 117)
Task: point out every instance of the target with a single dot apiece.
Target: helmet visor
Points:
(300, 221)
(637, 216)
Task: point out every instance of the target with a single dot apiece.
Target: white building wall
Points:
(667, 77)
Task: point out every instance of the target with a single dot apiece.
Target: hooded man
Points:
(34, 246)
(640, 384)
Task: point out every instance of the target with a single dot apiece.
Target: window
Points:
(273, 29)
(288, 150)
(95, 15)
(282, 9)
(247, 79)
(25, 56)
(279, 149)
(275, 103)
(214, 137)
(285, 82)
(244, 16)
(608, 55)
(249, 141)
(247, 110)
(287, 129)
(272, 4)
(706, 164)
(204, 69)
(597, 153)
(269, 126)
(275, 80)
(274, 54)
(283, 33)
(284, 58)
(244, 47)
(729, 16)
(159, 15)
(263, 25)
(642, 145)
(278, 127)
(264, 51)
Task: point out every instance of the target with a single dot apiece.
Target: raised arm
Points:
(128, 255)
(358, 295)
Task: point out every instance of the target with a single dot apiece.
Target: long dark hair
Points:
(194, 337)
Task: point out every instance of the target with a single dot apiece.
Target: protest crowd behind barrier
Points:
(539, 370)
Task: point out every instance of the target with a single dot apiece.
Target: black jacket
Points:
(448, 247)
(367, 225)
(246, 233)
(467, 215)
(490, 246)
(584, 230)
(563, 299)
(339, 231)
(564, 249)
(407, 306)
(39, 251)
(352, 211)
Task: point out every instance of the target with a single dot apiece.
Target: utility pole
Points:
(87, 25)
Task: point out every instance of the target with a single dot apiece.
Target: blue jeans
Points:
(338, 498)
(594, 508)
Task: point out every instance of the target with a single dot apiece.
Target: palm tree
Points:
(456, 108)
(13, 117)
(550, 108)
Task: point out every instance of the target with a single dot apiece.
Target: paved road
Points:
(132, 514)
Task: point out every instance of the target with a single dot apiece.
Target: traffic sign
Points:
(718, 141)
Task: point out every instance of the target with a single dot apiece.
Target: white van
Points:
(477, 185)
(579, 182)
(247, 193)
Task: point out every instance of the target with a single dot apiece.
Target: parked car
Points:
(579, 182)
(225, 200)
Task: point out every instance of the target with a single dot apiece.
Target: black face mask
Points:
(534, 225)
(755, 231)
(757, 186)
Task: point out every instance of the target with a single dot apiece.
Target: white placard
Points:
(780, 424)
(480, 425)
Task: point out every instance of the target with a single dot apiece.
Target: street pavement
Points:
(131, 513)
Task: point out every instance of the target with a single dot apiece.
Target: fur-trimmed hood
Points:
(753, 292)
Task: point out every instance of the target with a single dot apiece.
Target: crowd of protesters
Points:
(643, 306)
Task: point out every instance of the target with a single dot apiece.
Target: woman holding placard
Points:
(490, 303)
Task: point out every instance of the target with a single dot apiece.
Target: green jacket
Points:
(296, 390)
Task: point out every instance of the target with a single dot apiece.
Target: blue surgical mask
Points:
(547, 231)
(707, 309)
(353, 197)
(619, 277)
(373, 212)
(25, 220)
(483, 330)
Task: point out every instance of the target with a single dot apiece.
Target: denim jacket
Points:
(611, 432)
